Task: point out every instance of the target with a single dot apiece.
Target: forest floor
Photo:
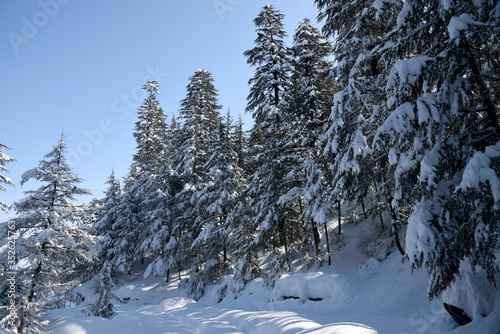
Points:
(359, 295)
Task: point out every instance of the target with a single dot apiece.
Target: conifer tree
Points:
(359, 105)
(92, 212)
(53, 243)
(122, 247)
(266, 101)
(105, 291)
(150, 131)
(199, 113)
(309, 105)
(272, 58)
(217, 198)
(4, 159)
(105, 226)
(442, 125)
(160, 241)
(150, 166)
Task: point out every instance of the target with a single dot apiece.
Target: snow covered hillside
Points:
(355, 295)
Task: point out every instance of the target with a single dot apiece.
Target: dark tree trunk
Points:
(316, 237)
(395, 230)
(180, 269)
(327, 245)
(36, 274)
(364, 209)
(340, 218)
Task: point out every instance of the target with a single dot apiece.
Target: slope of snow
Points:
(359, 295)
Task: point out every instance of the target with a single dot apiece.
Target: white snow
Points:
(478, 171)
(472, 292)
(359, 295)
(419, 235)
(458, 24)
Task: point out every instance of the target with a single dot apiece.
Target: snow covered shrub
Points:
(337, 241)
(245, 270)
(377, 243)
(195, 285)
(105, 291)
(221, 289)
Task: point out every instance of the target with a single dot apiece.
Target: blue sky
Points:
(77, 66)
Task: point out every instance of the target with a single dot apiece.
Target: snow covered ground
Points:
(359, 295)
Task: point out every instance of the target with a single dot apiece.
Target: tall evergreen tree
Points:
(160, 241)
(266, 101)
(359, 105)
(53, 244)
(272, 58)
(199, 113)
(122, 247)
(150, 131)
(217, 198)
(149, 163)
(4, 159)
(443, 125)
(105, 225)
(309, 105)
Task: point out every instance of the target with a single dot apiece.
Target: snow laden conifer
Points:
(150, 169)
(199, 114)
(308, 105)
(4, 159)
(272, 57)
(359, 104)
(92, 212)
(122, 246)
(442, 135)
(218, 199)
(266, 102)
(106, 224)
(53, 245)
(104, 289)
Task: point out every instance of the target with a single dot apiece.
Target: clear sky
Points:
(77, 66)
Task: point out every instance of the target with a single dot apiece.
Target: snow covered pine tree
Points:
(266, 102)
(442, 135)
(4, 158)
(200, 114)
(53, 244)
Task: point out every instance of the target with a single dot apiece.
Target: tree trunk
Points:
(284, 241)
(37, 272)
(395, 230)
(340, 218)
(316, 237)
(224, 248)
(180, 269)
(327, 245)
(364, 209)
(378, 208)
